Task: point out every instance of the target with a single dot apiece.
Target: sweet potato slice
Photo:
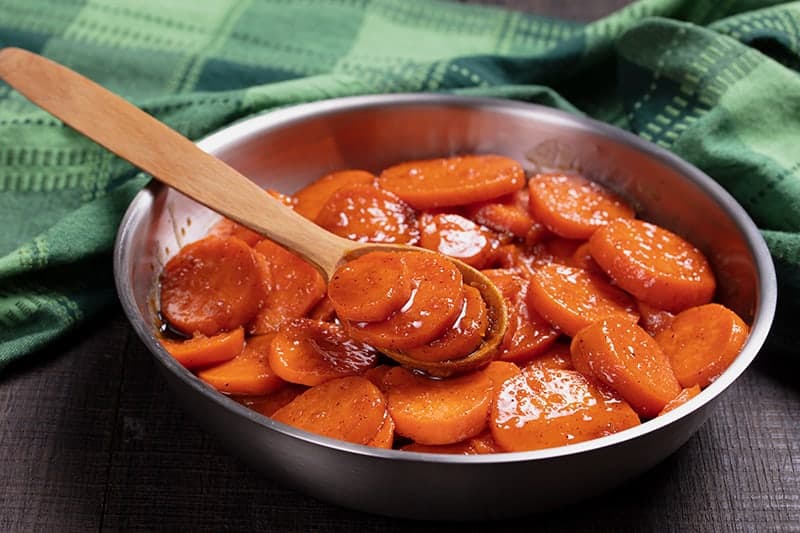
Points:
(365, 213)
(655, 265)
(211, 285)
(247, 374)
(702, 342)
(508, 214)
(269, 403)
(456, 236)
(310, 199)
(452, 181)
(572, 206)
(371, 287)
(572, 298)
(431, 411)
(309, 352)
(652, 319)
(350, 409)
(684, 396)
(297, 287)
(478, 445)
(558, 356)
(545, 408)
(200, 351)
(622, 355)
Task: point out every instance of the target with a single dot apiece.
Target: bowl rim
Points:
(241, 130)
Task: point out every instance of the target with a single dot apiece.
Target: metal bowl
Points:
(287, 149)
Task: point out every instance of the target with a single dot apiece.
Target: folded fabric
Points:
(715, 82)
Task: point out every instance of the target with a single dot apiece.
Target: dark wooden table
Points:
(91, 440)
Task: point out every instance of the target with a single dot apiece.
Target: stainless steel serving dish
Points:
(287, 149)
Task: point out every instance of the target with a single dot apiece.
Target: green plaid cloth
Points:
(715, 81)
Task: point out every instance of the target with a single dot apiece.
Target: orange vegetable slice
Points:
(478, 445)
(702, 342)
(508, 214)
(463, 337)
(652, 319)
(558, 356)
(269, 403)
(365, 213)
(684, 396)
(431, 411)
(452, 181)
(247, 374)
(572, 206)
(297, 287)
(310, 199)
(385, 436)
(545, 408)
(623, 356)
(499, 371)
(370, 287)
(228, 228)
(652, 263)
(350, 409)
(456, 236)
(200, 351)
(211, 285)
(309, 352)
(572, 298)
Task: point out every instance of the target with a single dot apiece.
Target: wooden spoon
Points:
(176, 161)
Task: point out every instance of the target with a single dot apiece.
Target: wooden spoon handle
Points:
(159, 150)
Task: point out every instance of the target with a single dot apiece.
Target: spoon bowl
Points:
(137, 137)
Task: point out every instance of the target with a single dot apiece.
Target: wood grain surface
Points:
(91, 440)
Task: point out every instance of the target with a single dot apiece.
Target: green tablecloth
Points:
(715, 81)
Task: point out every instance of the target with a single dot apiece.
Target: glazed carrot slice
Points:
(479, 445)
(652, 263)
(437, 298)
(228, 228)
(453, 180)
(247, 374)
(557, 356)
(499, 371)
(463, 337)
(365, 213)
(528, 334)
(350, 409)
(702, 342)
(572, 298)
(508, 214)
(297, 287)
(200, 351)
(544, 408)
(456, 236)
(371, 287)
(309, 352)
(684, 396)
(385, 436)
(269, 403)
(623, 356)
(431, 411)
(310, 199)
(652, 319)
(572, 206)
(211, 285)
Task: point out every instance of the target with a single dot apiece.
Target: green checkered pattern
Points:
(715, 81)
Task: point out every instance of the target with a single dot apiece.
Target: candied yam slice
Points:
(371, 287)
(385, 436)
(247, 374)
(463, 337)
(558, 356)
(269, 403)
(622, 355)
(479, 445)
(296, 287)
(365, 213)
(200, 351)
(350, 409)
(453, 181)
(437, 298)
(228, 228)
(572, 298)
(528, 334)
(456, 236)
(499, 371)
(310, 199)
(438, 411)
(652, 319)
(508, 214)
(572, 206)
(211, 285)
(657, 266)
(545, 408)
(702, 342)
(309, 352)
(684, 396)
